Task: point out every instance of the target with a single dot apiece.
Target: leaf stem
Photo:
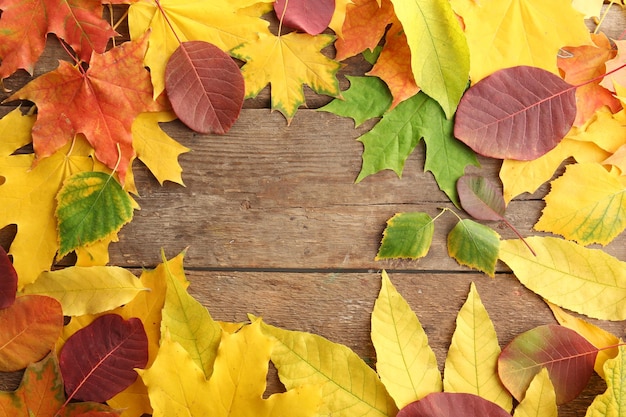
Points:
(158, 4)
(282, 17)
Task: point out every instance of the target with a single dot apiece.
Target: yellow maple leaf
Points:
(586, 204)
(177, 386)
(217, 21)
(507, 33)
(287, 62)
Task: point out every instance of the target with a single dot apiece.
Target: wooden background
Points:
(275, 226)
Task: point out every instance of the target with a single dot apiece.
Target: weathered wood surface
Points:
(276, 227)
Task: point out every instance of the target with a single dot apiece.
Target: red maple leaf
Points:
(26, 23)
(101, 103)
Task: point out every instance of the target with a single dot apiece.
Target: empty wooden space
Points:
(274, 225)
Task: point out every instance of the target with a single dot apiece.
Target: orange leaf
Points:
(115, 89)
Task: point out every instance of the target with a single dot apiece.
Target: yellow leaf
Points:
(598, 337)
(589, 8)
(540, 398)
(217, 21)
(87, 290)
(605, 129)
(618, 159)
(349, 386)
(97, 253)
(611, 402)
(507, 33)
(405, 362)
(287, 62)
(157, 149)
(339, 16)
(586, 204)
(587, 281)
(471, 364)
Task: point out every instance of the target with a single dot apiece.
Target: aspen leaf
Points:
(475, 245)
(30, 327)
(439, 50)
(503, 34)
(406, 364)
(586, 204)
(308, 16)
(287, 62)
(349, 386)
(540, 398)
(567, 356)
(407, 235)
(471, 364)
(445, 404)
(87, 290)
(91, 205)
(611, 402)
(587, 281)
(8, 280)
(598, 337)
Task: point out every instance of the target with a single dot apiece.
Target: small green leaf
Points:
(367, 97)
(475, 245)
(407, 235)
(91, 205)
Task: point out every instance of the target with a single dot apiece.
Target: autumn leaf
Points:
(404, 360)
(349, 386)
(611, 402)
(308, 16)
(586, 204)
(474, 245)
(480, 197)
(26, 24)
(287, 62)
(540, 398)
(339, 16)
(87, 290)
(116, 88)
(609, 81)
(30, 327)
(442, 404)
(407, 235)
(8, 280)
(590, 8)
(439, 51)
(508, 33)
(587, 281)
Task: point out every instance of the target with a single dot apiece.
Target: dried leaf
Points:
(475, 245)
(445, 404)
(407, 235)
(540, 398)
(8, 280)
(308, 16)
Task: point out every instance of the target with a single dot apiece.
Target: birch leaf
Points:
(471, 364)
(474, 245)
(540, 398)
(405, 362)
(407, 235)
(87, 290)
(611, 402)
(587, 281)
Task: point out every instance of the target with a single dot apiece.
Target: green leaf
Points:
(367, 97)
(611, 402)
(475, 245)
(439, 50)
(349, 386)
(540, 398)
(405, 362)
(471, 364)
(91, 205)
(407, 235)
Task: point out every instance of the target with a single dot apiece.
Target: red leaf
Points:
(205, 86)
(448, 404)
(30, 327)
(568, 357)
(98, 361)
(8, 280)
(480, 198)
(516, 113)
(309, 16)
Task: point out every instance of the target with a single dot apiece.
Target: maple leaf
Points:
(25, 24)
(618, 77)
(116, 89)
(507, 33)
(224, 23)
(286, 62)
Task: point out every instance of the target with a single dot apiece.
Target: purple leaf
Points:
(205, 87)
(480, 198)
(309, 16)
(568, 357)
(99, 361)
(8, 280)
(448, 404)
(516, 113)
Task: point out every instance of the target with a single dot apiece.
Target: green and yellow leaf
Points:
(475, 245)
(407, 235)
(611, 402)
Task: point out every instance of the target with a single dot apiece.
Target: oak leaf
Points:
(116, 88)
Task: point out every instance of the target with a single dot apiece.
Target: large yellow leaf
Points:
(219, 22)
(349, 386)
(471, 364)
(587, 281)
(404, 360)
(287, 62)
(507, 33)
(586, 204)
(611, 402)
(87, 290)
(540, 398)
(598, 337)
